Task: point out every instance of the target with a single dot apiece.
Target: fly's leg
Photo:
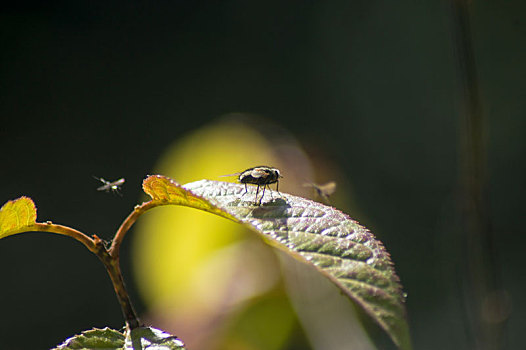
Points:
(277, 188)
(257, 191)
(271, 196)
(246, 190)
(263, 195)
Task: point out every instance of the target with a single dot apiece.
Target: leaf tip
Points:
(16, 214)
(158, 186)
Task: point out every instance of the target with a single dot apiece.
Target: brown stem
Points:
(114, 271)
(109, 257)
(111, 262)
(125, 226)
(64, 230)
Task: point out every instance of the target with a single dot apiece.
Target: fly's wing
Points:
(258, 173)
(99, 179)
(328, 189)
(104, 188)
(118, 182)
(235, 174)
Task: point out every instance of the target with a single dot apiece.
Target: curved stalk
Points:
(111, 261)
(126, 225)
(64, 230)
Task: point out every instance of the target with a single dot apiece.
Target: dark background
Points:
(101, 89)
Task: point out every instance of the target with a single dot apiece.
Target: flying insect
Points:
(113, 186)
(323, 191)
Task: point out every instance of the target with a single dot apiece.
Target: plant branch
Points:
(111, 260)
(114, 271)
(109, 257)
(127, 224)
(111, 263)
(66, 231)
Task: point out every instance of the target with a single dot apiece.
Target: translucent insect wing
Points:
(328, 189)
(258, 172)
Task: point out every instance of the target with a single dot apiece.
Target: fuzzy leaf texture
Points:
(16, 215)
(339, 248)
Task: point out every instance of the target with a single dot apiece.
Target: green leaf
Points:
(140, 338)
(152, 338)
(94, 339)
(340, 248)
(16, 215)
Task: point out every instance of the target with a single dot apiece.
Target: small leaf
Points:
(152, 338)
(106, 339)
(15, 215)
(340, 248)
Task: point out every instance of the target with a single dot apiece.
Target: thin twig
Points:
(66, 231)
(127, 224)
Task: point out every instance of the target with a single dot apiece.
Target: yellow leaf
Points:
(17, 214)
(166, 191)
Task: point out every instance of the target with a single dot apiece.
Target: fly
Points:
(323, 191)
(113, 186)
(262, 176)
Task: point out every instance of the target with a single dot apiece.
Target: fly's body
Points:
(113, 186)
(260, 176)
